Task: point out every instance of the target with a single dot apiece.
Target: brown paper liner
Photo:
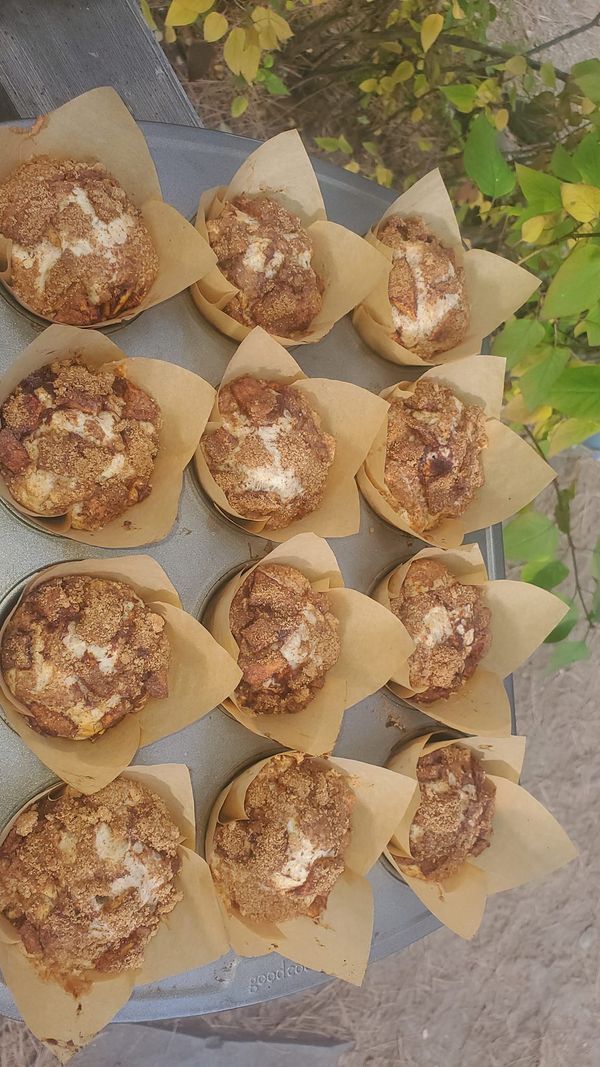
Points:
(201, 675)
(185, 401)
(372, 650)
(527, 842)
(350, 414)
(347, 264)
(337, 943)
(97, 127)
(514, 473)
(522, 616)
(495, 287)
(191, 936)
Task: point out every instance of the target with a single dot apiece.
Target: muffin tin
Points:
(202, 550)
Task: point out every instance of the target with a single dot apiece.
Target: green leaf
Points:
(563, 166)
(568, 652)
(587, 158)
(484, 162)
(562, 510)
(328, 144)
(591, 326)
(531, 536)
(595, 561)
(517, 338)
(577, 392)
(565, 625)
(595, 606)
(239, 104)
(548, 75)
(462, 96)
(274, 85)
(344, 145)
(571, 432)
(545, 575)
(576, 284)
(541, 191)
(536, 383)
(586, 76)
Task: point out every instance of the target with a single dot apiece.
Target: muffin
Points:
(86, 880)
(81, 252)
(81, 653)
(269, 456)
(265, 252)
(433, 455)
(287, 636)
(426, 289)
(78, 441)
(283, 861)
(450, 625)
(454, 819)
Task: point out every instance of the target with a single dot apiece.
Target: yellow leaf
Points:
(148, 16)
(516, 65)
(541, 415)
(387, 84)
(250, 57)
(431, 27)
(501, 118)
(369, 85)
(532, 228)
(581, 201)
(271, 27)
(587, 106)
(215, 26)
(383, 176)
(416, 114)
(170, 35)
(403, 71)
(184, 12)
(457, 11)
(352, 166)
(233, 50)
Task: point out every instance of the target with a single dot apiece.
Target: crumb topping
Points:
(78, 441)
(81, 653)
(81, 252)
(433, 455)
(427, 292)
(288, 639)
(285, 858)
(266, 253)
(449, 623)
(86, 880)
(270, 456)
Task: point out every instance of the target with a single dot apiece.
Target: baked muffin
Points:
(450, 625)
(285, 858)
(266, 253)
(80, 442)
(427, 292)
(81, 252)
(270, 456)
(433, 455)
(86, 880)
(81, 653)
(454, 818)
(287, 636)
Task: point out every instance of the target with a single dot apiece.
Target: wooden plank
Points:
(52, 50)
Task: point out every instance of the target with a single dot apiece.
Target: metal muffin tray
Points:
(201, 550)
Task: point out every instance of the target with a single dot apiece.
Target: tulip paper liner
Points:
(201, 675)
(350, 414)
(98, 128)
(514, 473)
(190, 936)
(495, 286)
(526, 843)
(185, 402)
(346, 263)
(373, 648)
(337, 943)
(522, 615)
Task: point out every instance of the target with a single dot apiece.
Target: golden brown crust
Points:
(426, 288)
(86, 880)
(266, 253)
(78, 441)
(450, 625)
(81, 653)
(270, 456)
(433, 455)
(454, 818)
(81, 252)
(285, 858)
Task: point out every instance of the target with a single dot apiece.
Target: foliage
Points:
(518, 142)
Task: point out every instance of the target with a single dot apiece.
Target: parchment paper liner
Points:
(527, 842)
(97, 127)
(495, 286)
(191, 936)
(185, 401)
(337, 943)
(514, 473)
(350, 414)
(372, 650)
(522, 616)
(201, 675)
(347, 264)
